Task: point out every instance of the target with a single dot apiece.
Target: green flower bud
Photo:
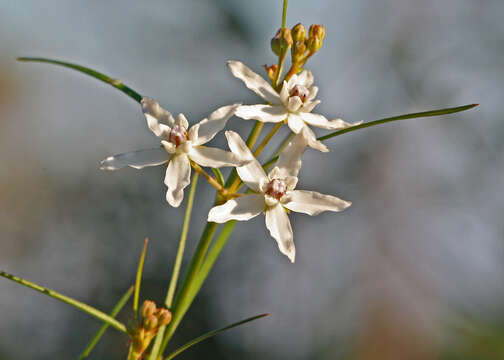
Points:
(148, 308)
(164, 317)
(150, 322)
(298, 32)
(282, 41)
(317, 30)
(314, 43)
(298, 52)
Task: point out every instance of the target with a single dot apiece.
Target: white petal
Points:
(136, 159)
(156, 116)
(264, 113)
(284, 93)
(241, 209)
(214, 157)
(312, 93)
(312, 140)
(305, 78)
(178, 176)
(321, 121)
(206, 129)
(289, 161)
(277, 173)
(294, 103)
(251, 174)
(296, 123)
(313, 203)
(280, 229)
(170, 147)
(254, 81)
(308, 106)
(182, 121)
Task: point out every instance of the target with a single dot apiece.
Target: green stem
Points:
(75, 303)
(118, 307)
(284, 13)
(138, 280)
(183, 299)
(118, 84)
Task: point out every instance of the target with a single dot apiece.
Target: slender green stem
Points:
(176, 267)
(284, 13)
(183, 300)
(400, 117)
(267, 138)
(68, 300)
(139, 277)
(118, 84)
(118, 307)
(210, 334)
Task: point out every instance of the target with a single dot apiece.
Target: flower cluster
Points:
(289, 102)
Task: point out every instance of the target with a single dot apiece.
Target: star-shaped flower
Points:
(179, 146)
(294, 103)
(274, 193)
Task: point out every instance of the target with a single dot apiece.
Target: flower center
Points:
(276, 188)
(178, 135)
(301, 91)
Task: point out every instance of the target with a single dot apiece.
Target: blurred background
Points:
(413, 270)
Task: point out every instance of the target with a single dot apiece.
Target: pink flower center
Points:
(178, 135)
(276, 188)
(301, 91)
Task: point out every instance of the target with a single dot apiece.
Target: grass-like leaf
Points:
(118, 307)
(400, 117)
(211, 334)
(118, 84)
(139, 277)
(68, 300)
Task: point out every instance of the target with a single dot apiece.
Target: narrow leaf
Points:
(75, 303)
(120, 304)
(118, 84)
(400, 117)
(139, 277)
(219, 176)
(211, 334)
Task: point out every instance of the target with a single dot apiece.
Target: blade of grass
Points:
(118, 307)
(211, 334)
(118, 84)
(400, 117)
(138, 280)
(67, 300)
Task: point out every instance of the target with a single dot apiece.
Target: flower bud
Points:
(271, 71)
(298, 52)
(314, 43)
(282, 41)
(150, 322)
(148, 308)
(164, 317)
(317, 30)
(298, 32)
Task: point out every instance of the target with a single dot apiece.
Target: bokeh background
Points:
(413, 270)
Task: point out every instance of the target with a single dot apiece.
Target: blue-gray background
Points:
(413, 270)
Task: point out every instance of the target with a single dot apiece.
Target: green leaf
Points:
(211, 334)
(139, 277)
(118, 84)
(120, 304)
(400, 117)
(68, 300)
(219, 176)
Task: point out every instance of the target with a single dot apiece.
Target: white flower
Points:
(179, 146)
(273, 193)
(294, 103)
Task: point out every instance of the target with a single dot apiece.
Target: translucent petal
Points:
(241, 209)
(305, 78)
(322, 122)
(214, 157)
(178, 176)
(312, 140)
(136, 159)
(251, 174)
(157, 117)
(254, 81)
(206, 129)
(313, 203)
(264, 113)
(280, 229)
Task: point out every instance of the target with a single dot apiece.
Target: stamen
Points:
(178, 135)
(300, 91)
(276, 188)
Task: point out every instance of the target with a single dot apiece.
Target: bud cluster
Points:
(152, 318)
